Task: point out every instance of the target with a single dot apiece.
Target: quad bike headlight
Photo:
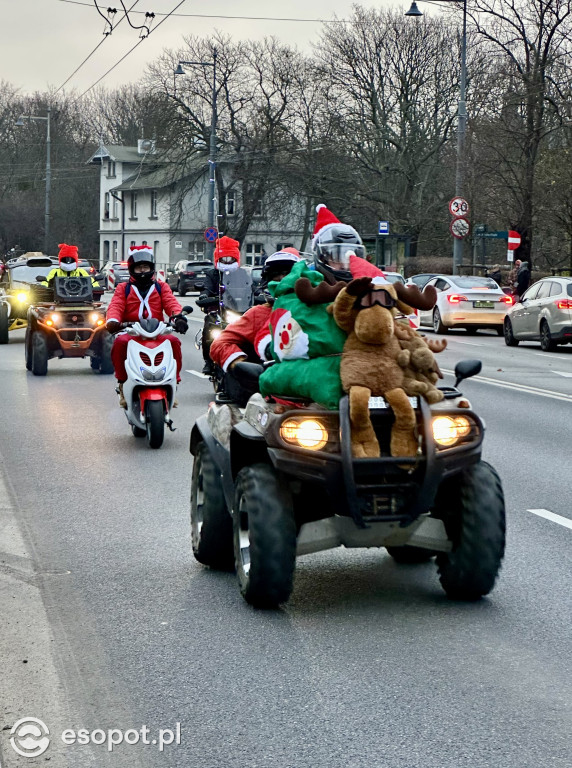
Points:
(448, 430)
(308, 433)
(22, 297)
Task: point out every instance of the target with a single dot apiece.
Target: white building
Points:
(147, 198)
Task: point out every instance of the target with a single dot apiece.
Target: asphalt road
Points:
(368, 666)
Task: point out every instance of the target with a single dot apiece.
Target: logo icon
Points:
(29, 737)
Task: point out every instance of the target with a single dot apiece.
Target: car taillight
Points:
(188, 274)
(507, 299)
(122, 263)
(455, 298)
(564, 303)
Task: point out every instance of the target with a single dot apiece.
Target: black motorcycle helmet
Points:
(332, 252)
(139, 256)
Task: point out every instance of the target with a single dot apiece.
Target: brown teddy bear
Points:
(422, 372)
(373, 361)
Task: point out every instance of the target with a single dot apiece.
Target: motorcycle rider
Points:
(226, 259)
(68, 266)
(142, 297)
(246, 339)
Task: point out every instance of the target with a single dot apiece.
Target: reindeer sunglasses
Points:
(379, 296)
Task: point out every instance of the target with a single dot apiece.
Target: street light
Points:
(212, 148)
(19, 123)
(461, 125)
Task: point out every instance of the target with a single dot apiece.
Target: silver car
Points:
(544, 313)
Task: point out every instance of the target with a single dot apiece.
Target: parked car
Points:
(544, 313)
(394, 277)
(114, 272)
(421, 279)
(466, 302)
(187, 275)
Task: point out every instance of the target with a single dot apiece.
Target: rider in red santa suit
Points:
(142, 297)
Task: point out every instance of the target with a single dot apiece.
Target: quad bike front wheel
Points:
(211, 523)
(39, 354)
(471, 505)
(410, 555)
(155, 423)
(264, 535)
(28, 350)
(105, 363)
(4, 323)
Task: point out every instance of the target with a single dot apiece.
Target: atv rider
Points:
(141, 298)
(247, 338)
(226, 259)
(68, 266)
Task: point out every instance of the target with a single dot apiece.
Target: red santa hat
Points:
(362, 268)
(226, 246)
(143, 250)
(325, 220)
(68, 250)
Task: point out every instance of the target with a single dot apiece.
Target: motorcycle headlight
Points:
(448, 430)
(231, 317)
(308, 433)
(215, 333)
(22, 297)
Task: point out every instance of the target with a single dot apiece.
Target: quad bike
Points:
(151, 384)
(277, 480)
(66, 322)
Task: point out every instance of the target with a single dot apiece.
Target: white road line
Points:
(468, 343)
(562, 373)
(566, 522)
(197, 374)
(520, 387)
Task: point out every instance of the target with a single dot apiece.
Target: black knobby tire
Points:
(105, 364)
(410, 555)
(182, 291)
(138, 431)
(509, 339)
(40, 354)
(471, 504)
(438, 326)
(4, 323)
(28, 349)
(264, 535)
(211, 523)
(155, 423)
(547, 343)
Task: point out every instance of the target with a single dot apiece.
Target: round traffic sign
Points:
(458, 206)
(514, 240)
(211, 234)
(460, 227)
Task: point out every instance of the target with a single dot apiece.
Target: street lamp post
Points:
(212, 146)
(20, 122)
(461, 125)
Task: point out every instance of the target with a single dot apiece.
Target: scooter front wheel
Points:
(155, 423)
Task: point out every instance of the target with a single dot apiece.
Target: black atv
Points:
(64, 321)
(272, 481)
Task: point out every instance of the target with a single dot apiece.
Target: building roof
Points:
(121, 155)
(170, 173)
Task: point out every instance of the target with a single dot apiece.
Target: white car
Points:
(466, 302)
(544, 313)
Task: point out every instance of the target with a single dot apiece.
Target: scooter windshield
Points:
(237, 294)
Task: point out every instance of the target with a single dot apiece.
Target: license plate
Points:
(377, 403)
(484, 304)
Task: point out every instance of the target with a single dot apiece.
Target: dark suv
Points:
(187, 275)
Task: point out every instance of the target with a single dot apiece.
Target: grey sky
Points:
(45, 40)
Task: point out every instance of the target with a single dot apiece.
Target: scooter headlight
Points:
(308, 433)
(150, 376)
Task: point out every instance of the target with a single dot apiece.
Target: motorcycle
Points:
(151, 383)
(234, 298)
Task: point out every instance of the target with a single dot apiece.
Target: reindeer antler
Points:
(412, 296)
(323, 293)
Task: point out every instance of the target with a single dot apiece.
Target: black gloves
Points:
(112, 326)
(180, 324)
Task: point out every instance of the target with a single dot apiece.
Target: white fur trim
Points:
(262, 344)
(320, 206)
(230, 358)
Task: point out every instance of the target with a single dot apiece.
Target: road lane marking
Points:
(197, 374)
(562, 373)
(520, 387)
(566, 522)
(468, 343)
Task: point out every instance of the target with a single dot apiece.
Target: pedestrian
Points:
(522, 279)
(512, 278)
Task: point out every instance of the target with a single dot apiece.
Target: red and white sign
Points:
(514, 240)
(460, 227)
(458, 206)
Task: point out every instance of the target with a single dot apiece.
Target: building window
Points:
(115, 252)
(144, 242)
(254, 254)
(196, 250)
(114, 208)
(156, 249)
(258, 208)
(231, 202)
(106, 206)
(132, 243)
(281, 246)
(134, 205)
(153, 203)
(111, 169)
(105, 251)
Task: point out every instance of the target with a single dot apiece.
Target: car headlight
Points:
(309, 433)
(447, 430)
(22, 297)
(231, 317)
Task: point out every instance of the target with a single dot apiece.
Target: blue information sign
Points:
(383, 228)
(211, 234)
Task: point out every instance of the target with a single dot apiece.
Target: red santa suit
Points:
(128, 305)
(249, 331)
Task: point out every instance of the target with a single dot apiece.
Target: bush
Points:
(421, 264)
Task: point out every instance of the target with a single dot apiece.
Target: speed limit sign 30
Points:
(458, 206)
